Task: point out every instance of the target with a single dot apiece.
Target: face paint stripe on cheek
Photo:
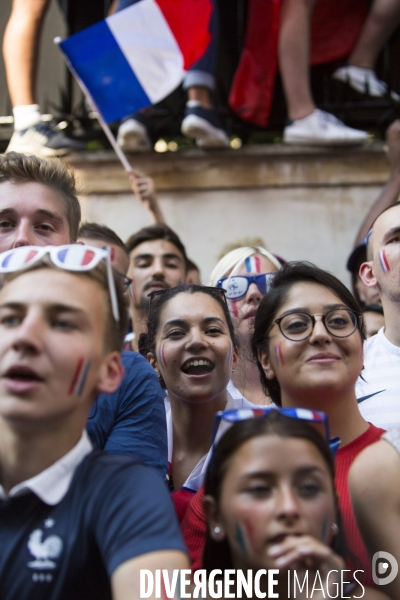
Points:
(250, 535)
(234, 307)
(279, 355)
(384, 261)
(76, 376)
(81, 383)
(161, 356)
(240, 538)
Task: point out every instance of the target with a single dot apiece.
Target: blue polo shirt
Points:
(115, 509)
(132, 420)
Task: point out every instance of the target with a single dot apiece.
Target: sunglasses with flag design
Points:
(241, 414)
(71, 257)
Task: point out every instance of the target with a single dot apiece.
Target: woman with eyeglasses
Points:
(191, 344)
(245, 274)
(308, 341)
(270, 503)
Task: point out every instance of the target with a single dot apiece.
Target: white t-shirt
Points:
(196, 478)
(381, 385)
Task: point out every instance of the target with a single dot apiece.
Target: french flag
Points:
(139, 55)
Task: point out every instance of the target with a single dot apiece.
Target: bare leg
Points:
(382, 20)
(201, 94)
(294, 56)
(20, 48)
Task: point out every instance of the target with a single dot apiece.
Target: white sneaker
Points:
(364, 81)
(322, 129)
(133, 137)
(202, 124)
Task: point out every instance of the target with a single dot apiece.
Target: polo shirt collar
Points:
(52, 484)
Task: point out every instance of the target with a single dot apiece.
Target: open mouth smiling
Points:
(197, 366)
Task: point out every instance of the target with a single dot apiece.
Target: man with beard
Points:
(379, 389)
(157, 260)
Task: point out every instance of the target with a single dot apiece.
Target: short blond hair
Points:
(18, 168)
(232, 261)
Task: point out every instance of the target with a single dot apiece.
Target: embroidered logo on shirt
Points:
(44, 550)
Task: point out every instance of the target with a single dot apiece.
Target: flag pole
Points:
(116, 147)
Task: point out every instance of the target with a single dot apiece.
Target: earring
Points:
(233, 370)
(217, 529)
(334, 528)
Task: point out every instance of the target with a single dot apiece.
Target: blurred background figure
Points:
(373, 319)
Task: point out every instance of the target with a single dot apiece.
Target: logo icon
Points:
(384, 568)
(44, 550)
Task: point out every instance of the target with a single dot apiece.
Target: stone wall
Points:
(306, 204)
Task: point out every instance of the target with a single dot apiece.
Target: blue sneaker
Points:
(202, 124)
(41, 139)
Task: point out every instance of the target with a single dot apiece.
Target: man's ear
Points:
(111, 373)
(263, 357)
(217, 531)
(367, 274)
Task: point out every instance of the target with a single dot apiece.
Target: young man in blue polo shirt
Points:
(75, 523)
(39, 206)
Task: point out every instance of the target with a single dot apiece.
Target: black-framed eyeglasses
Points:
(298, 326)
(315, 417)
(236, 286)
(196, 288)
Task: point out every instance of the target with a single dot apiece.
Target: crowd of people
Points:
(151, 422)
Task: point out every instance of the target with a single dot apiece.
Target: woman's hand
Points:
(307, 554)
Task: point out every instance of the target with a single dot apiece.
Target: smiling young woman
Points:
(191, 345)
(270, 503)
(308, 343)
(308, 340)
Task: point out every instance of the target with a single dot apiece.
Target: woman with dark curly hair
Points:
(191, 344)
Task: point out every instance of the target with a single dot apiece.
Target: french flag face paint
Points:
(384, 261)
(234, 308)
(79, 379)
(279, 355)
(253, 264)
(161, 356)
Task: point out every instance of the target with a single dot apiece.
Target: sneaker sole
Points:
(205, 134)
(37, 150)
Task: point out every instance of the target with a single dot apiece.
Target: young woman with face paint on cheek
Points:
(191, 345)
(247, 262)
(308, 341)
(270, 503)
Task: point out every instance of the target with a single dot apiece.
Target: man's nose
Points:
(23, 236)
(28, 334)
(158, 268)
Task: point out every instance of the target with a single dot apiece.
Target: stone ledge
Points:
(257, 166)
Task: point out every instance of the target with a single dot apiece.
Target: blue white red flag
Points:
(139, 55)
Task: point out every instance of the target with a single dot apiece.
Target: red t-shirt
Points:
(194, 523)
